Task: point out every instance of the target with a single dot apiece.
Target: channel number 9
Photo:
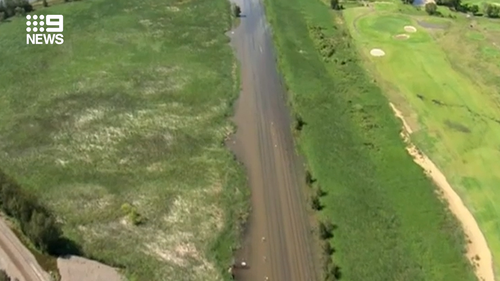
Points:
(54, 20)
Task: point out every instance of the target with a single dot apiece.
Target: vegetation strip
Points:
(390, 225)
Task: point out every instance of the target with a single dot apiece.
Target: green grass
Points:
(463, 135)
(391, 225)
(480, 3)
(132, 108)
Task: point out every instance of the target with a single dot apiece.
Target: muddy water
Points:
(278, 242)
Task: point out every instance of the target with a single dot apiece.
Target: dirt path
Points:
(477, 249)
(74, 268)
(264, 143)
(16, 260)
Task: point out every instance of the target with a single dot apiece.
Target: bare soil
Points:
(477, 249)
(75, 268)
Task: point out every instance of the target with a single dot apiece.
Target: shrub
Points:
(316, 204)
(131, 212)
(309, 178)
(492, 10)
(327, 249)
(431, 8)
(335, 4)
(319, 192)
(332, 273)
(326, 230)
(236, 11)
(474, 9)
(299, 122)
(36, 221)
(19, 11)
(4, 276)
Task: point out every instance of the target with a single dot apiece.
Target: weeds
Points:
(132, 109)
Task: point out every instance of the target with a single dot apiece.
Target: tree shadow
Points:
(65, 247)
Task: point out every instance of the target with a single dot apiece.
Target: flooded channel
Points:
(278, 241)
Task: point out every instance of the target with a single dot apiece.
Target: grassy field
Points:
(451, 93)
(391, 225)
(131, 109)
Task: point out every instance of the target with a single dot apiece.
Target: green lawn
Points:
(451, 93)
(132, 108)
(391, 225)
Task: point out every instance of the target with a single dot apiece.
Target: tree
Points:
(431, 8)
(45, 3)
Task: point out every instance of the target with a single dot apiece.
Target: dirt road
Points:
(16, 260)
(278, 239)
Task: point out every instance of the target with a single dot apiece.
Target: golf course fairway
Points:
(448, 95)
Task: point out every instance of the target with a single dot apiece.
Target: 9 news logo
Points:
(48, 23)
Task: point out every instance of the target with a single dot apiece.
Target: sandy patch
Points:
(402, 36)
(77, 268)
(410, 29)
(477, 249)
(377, 53)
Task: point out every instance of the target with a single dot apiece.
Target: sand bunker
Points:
(402, 36)
(410, 29)
(377, 53)
(477, 249)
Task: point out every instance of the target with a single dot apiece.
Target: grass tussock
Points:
(119, 130)
(389, 223)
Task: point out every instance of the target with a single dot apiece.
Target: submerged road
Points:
(278, 242)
